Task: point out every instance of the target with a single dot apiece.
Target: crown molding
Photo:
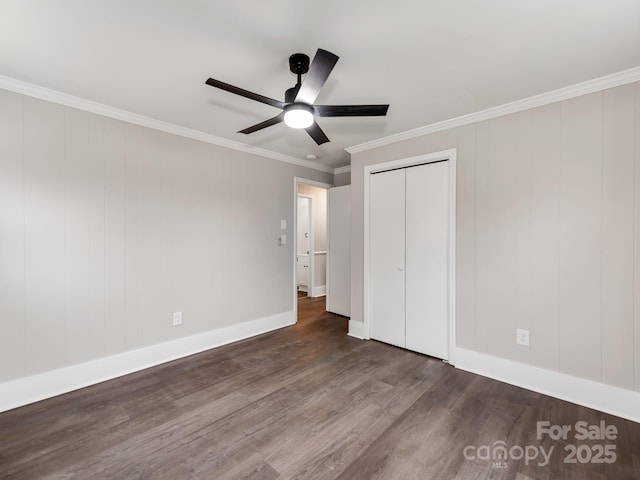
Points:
(31, 90)
(565, 93)
(339, 170)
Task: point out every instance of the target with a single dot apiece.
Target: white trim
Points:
(584, 88)
(451, 156)
(341, 170)
(54, 96)
(22, 391)
(356, 329)
(313, 183)
(606, 398)
(319, 291)
(453, 181)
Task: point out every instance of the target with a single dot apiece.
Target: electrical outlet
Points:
(177, 318)
(522, 337)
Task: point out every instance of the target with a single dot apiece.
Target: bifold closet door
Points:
(427, 258)
(409, 258)
(387, 237)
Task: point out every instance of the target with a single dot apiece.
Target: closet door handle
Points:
(400, 268)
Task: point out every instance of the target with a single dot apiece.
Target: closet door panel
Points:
(387, 231)
(427, 251)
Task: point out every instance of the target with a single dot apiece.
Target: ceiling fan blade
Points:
(245, 93)
(317, 134)
(351, 110)
(265, 124)
(319, 71)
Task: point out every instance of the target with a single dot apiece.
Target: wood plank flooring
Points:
(304, 402)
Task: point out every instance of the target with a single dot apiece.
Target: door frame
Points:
(450, 156)
(296, 182)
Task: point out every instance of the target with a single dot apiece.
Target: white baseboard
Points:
(606, 398)
(319, 291)
(356, 329)
(22, 391)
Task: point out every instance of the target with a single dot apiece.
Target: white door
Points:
(409, 258)
(303, 243)
(387, 230)
(302, 270)
(338, 250)
(427, 257)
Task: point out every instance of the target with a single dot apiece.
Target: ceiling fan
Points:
(298, 109)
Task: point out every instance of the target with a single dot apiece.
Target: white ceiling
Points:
(431, 60)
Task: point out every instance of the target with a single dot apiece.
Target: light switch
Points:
(283, 224)
(177, 318)
(283, 239)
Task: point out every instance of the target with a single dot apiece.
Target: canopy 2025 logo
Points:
(583, 453)
(499, 452)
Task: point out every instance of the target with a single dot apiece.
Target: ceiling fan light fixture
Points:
(298, 115)
(299, 109)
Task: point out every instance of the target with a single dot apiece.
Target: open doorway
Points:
(310, 240)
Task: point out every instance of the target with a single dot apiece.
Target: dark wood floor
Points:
(305, 402)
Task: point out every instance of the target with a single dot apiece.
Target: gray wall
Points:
(106, 228)
(342, 179)
(548, 230)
